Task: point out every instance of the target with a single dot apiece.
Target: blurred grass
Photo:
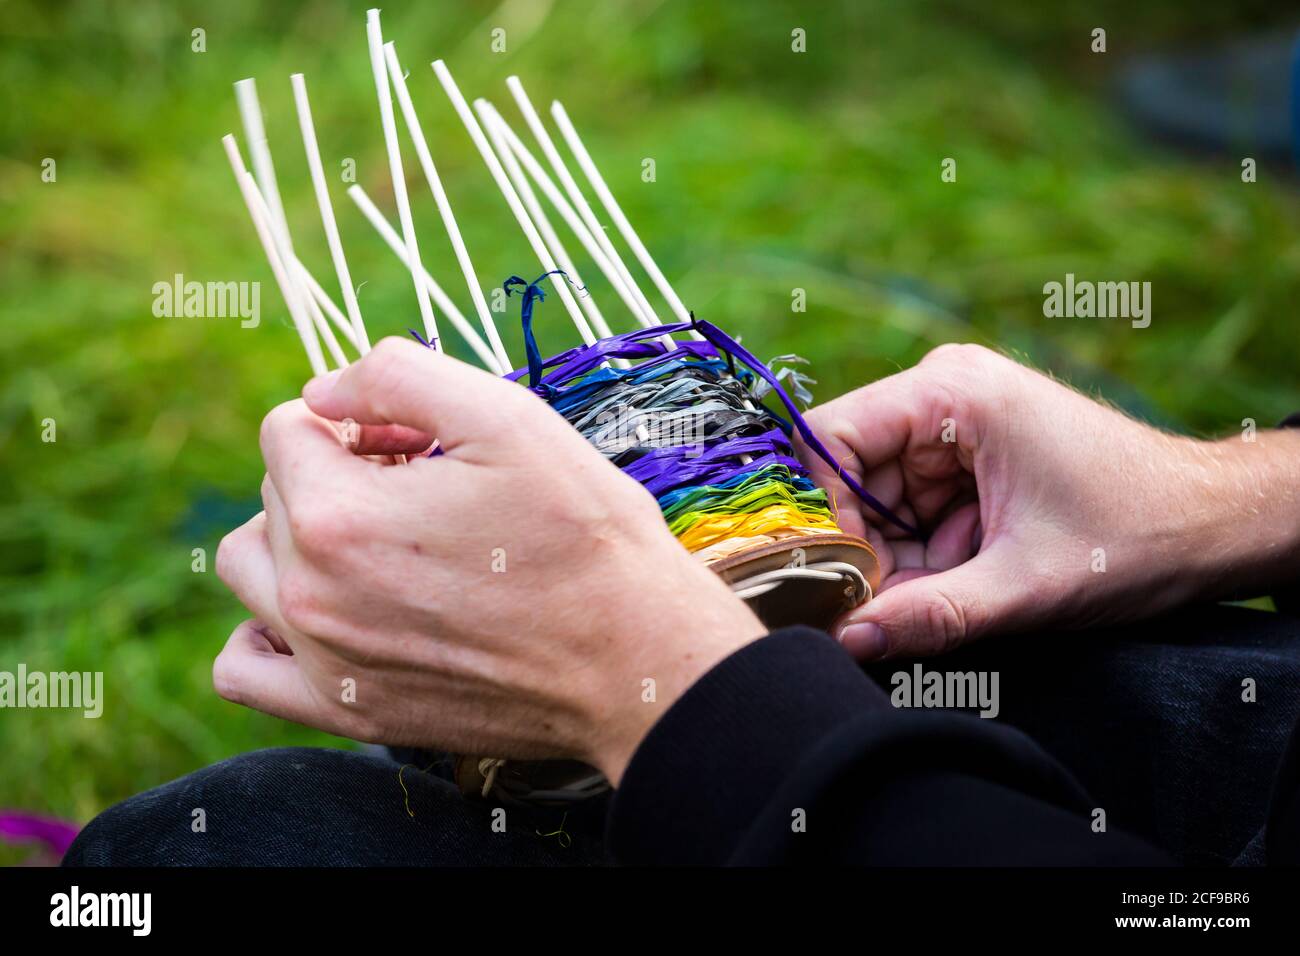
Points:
(774, 171)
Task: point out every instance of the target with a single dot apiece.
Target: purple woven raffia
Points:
(664, 469)
(631, 345)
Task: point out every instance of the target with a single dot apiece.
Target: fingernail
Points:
(319, 386)
(865, 641)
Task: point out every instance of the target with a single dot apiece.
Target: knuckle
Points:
(272, 504)
(312, 527)
(224, 679)
(390, 348)
(960, 381)
(963, 370)
(959, 355)
(277, 420)
(940, 354)
(387, 374)
(323, 528)
(228, 553)
(298, 603)
(392, 362)
(944, 620)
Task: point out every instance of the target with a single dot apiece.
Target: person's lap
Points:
(1150, 718)
(317, 807)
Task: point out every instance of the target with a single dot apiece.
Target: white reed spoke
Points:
(543, 137)
(615, 212)
(375, 37)
(250, 111)
(511, 165)
(579, 228)
(570, 215)
(512, 199)
(312, 149)
(259, 151)
(492, 123)
(259, 212)
(444, 205)
(394, 242)
(322, 326)
(326, 303)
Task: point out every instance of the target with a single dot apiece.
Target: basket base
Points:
(809, 601)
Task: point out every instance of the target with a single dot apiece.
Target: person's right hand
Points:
(385, 607)
(1042, 506)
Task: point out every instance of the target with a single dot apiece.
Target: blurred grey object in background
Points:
(1239, 96)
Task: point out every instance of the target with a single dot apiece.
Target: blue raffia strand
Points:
(532, 292)
(420, 338)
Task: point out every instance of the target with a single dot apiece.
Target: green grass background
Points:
(775, 170)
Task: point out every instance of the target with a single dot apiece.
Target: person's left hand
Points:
(509, 597)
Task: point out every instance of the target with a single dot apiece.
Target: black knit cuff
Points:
(705, 770)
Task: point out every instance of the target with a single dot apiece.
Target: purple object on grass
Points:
(18, 827)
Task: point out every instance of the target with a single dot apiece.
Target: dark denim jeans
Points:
(1150, 718)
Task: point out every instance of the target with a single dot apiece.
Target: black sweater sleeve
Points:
(787, 752)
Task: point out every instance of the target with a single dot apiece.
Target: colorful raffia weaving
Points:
(687, 423)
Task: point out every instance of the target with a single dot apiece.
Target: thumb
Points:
(403, 383)
(932, 614)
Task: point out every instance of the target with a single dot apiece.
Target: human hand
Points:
(1042, 505)
(507, 597)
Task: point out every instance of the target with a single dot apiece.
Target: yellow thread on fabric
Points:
(561, 837)
(406, 795)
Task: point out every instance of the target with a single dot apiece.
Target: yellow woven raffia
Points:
(710, 529)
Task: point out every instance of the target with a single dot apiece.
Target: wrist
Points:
(672, 638)
(1237, 531)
